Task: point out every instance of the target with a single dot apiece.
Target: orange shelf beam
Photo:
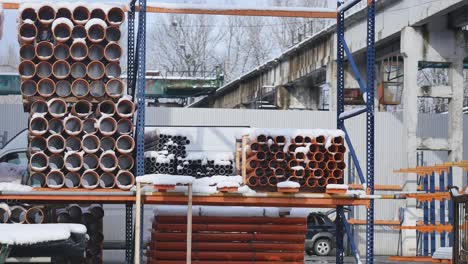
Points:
(427, 228)
(377, 187)
(376, 222)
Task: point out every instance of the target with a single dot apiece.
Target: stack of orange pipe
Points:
(228, 240)
(313, 162)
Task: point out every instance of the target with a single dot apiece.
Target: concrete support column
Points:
(282, 98)
(331, 82)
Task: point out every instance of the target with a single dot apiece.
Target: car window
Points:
(320, 220)
(311, 220)
(18, 158)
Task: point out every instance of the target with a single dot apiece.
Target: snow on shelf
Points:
(165, 179)
(18, 234)
(228, 184)
(288, 184)
(14, 187)
(443, 253)
(352, 112)
(231, 211)
(338, 186)
(356, 192)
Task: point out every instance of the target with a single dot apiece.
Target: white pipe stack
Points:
(81, 124)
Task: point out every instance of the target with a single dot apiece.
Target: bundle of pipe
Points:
(312, 161)
(21, 214)
(91, 216)
(81, 123)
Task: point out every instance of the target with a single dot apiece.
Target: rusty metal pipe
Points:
(98, 13)
(40, 107)
(72, 180)
(18, 214)
(78, 32)
(34, 215)
(338, 157)
(80, 88)
(107, 180)
(57, 107)
(82, 108)
(113, 70)
(318, 157)
(55, 179)
(63, 88)
(313, 148)
(61, 69)
(78, 70)
(321, 182)
(280, 140)
(263, 181)
(27, 33)
(44, 70)
(56, 143)
(61, 51)
(78, 51)
(253, 181)
(96, 52)
(89, 126)
(312, 165)
(29, 13)
(98, 212)
(338, 140)
(317, 173)
(125, 162)
(95, 70)
(298, 139)
(56, 126)
(113, 52)
(257, 172)
(337, 174)
(272, 181)
(333, 148)
(5, 213)
(81, 15)
(107, 126)
(125, 144)
(125, 180)
(113, 34)
(27, 69)
(90, 162)
(331, 181)
(108, 162)
(46, 14)
(27, 52)
(75, 211)
(298, 173)
(96, 30)
(115, 16)
(56, 162)
(37, 144)
(332, 165)
(124, 127)
(73, 161)
(115, 88)
(62, 29)
(90, 144)
(341, 149)
(320, 140)
(73, 143)
(299, 156)
(107, 143)
(73, 125)
(125, 108)
(38, 126)
(341, 165)
(97, 89)
(64, 12)
(28, 88)
(37, 179)
(311, 182)
(90, 179)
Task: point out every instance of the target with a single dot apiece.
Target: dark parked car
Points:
(320, 237)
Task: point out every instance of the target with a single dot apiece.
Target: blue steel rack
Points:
(368, 91)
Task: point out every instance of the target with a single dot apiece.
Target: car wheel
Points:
(322, 247)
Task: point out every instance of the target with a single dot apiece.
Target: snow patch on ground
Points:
(165, 179)
(18, 234)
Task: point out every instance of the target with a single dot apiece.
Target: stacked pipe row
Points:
(21, 214)
(90, 216)
(70, 52)
(80, 120)
(312, 161)
(228, 239)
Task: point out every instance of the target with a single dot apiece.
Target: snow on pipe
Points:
(90, 162)
(82, 109)
(115, 88)
(56, 143)
(125, 144)
(44, 69)
(97, 89)
(40, 107)
(5, 213)
(56, 126)
(107, 180)
(96, 52)
(72, 180)
(61, 51)
(115, 16)
(57, 107)
(63, 88)
(125, 108)
(73, 125)
(98, 13)
(62, 29)
(37, 144)
(29, 13)
(79, 32)
(38, 126)
(37, 179)
(90, 179)
(113, 34)
(89, 126)
(18, 214)
(78, 70)
(55, 179)
(107, 143)
(106, 108)
(107, 125)
(75, 211)
(34, 215)
(113, 70)
(27, 33)
(124, 126)
(95, 70)
(96, 30)
(78, 51)
(125, 180)
(81, 15)
(73, 161)
(28, 88)
(108, 162)
(80, 88)
(46, 14)
(73, 143)
(91, 144)
(64, 12)
(61, 69)
(27, 52)
(27, 69)
(113, 52)
(126, 162)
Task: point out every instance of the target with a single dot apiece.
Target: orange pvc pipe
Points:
(227, 256)
(226, 247)
(337, 174)
(311, 182)
(230, 220)
(229, 237)
(258, 228)
(332, 165)
(253, 181)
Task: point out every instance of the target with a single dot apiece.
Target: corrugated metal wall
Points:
(215, 130)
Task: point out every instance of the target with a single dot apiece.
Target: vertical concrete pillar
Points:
(411, 49)
(331, 81)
